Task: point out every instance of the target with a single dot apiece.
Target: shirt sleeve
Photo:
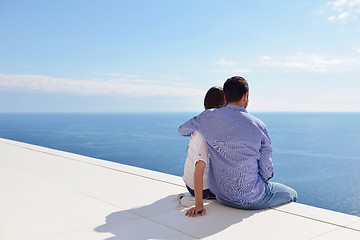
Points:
(266, 169)
(202, 152)
(189, 127)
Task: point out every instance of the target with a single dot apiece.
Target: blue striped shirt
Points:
(240, 152)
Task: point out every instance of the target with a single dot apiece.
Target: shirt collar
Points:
(235, 107)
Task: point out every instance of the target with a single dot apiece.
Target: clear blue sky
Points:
(135, 56)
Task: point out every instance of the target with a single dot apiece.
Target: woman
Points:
(197, 160)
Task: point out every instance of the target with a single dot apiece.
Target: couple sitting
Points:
(229, 154)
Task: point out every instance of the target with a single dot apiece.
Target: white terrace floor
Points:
(49, 194)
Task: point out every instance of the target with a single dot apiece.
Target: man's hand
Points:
(192, 212)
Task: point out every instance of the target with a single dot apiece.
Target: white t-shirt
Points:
(197, 150)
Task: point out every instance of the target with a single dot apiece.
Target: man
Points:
(240, 153)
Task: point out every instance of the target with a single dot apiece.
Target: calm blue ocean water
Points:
(318, 154)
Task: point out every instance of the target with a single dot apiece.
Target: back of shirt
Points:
(239, 150)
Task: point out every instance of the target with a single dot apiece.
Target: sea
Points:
(317, 154)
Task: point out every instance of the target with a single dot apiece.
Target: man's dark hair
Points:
(214, 98)
(235, 88)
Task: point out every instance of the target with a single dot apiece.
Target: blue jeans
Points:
(275, 194)
(206, 193)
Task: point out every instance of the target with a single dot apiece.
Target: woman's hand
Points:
(193, 212)
(198, 190)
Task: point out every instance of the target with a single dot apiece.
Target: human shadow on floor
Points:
(165, 219)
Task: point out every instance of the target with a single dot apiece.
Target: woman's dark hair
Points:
(214, 98)
(235, 88)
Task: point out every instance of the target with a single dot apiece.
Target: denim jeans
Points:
(206, 193)
(275, 194)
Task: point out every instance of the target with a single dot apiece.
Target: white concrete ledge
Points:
(49, 194)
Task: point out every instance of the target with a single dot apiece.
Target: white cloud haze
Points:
(223, 61)
(302, 61)
(343, 10)
(125, 87)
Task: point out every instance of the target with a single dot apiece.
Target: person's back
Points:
(197, 151)
(234, 140)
